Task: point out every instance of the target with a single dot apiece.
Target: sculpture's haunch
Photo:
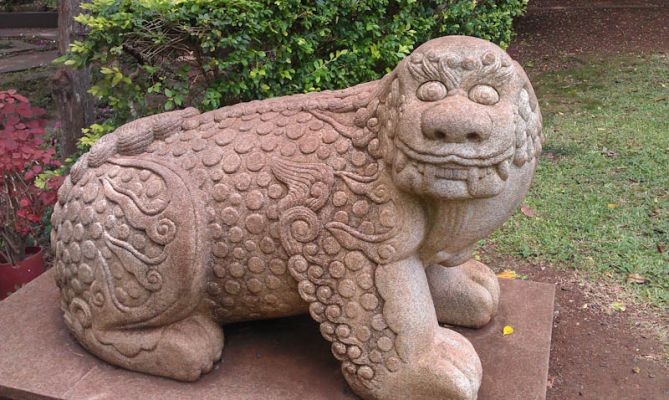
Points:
(350, 204)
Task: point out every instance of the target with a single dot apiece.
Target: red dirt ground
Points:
(553, 32)
(596, 353)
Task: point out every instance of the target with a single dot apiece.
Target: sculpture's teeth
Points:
(443, 173)
(430, 172)
(400, 162)
(472, 176)
(451, 173)
(503, 169)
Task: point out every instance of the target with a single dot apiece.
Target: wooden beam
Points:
(70, 87)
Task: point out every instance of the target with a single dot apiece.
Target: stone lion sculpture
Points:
(359, 206)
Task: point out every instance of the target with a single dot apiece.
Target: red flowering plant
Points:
(23, 156)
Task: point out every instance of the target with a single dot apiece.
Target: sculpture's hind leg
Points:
(465, 295)
(131, 263)
(182, 350)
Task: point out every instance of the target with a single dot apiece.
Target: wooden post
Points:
(70, 87)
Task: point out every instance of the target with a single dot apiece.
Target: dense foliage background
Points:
(155, 55)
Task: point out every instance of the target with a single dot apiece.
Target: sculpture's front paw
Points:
(451, 370)
(466, 295)
(447, 368)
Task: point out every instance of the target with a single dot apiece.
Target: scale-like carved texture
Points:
(276, 207)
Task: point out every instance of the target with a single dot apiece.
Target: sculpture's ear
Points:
(529, 133)
(388, 99)
(386, 114)
(385, 85)
(534, 103)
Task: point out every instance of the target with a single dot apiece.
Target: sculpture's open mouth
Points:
(492, 158)
(456, 172)
(453, 176)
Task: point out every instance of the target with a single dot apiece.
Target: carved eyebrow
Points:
(453, 70)
(452, 80)
(424, 70)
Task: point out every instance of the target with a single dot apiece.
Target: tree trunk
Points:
(70, 87)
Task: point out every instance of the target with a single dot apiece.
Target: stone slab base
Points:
(280, 359)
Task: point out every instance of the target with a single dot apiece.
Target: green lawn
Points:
(601, 192)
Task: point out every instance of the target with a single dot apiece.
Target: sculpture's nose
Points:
(456, 120)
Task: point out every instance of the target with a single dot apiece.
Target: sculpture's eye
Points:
(431, 91)
(484, 94)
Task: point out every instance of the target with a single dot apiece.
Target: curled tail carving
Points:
(131, 139)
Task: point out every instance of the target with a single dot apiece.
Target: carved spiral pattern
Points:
(111, 229)
(162, 232)
(154, 281)
(81, 311)
(298, 225)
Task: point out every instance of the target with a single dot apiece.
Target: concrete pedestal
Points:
(280, 359)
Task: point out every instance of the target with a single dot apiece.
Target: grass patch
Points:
(601, 192)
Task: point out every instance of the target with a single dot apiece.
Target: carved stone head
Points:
(460, 120)
(460, 127)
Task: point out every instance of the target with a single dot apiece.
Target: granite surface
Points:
(361, 206)
(275, 359)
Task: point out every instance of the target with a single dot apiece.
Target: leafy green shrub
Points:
(154, 55)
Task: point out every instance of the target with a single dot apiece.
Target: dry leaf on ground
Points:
(508, 274)
(618, 306)
(636, 278)
(527, 211)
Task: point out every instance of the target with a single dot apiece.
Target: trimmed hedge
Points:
(154, 55)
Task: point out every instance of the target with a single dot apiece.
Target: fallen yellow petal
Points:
(612, 206)
(508, 274)
(507, 330)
